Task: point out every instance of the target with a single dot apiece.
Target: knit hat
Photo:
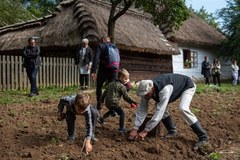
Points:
(144, 87)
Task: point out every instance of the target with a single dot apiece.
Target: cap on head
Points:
(144, 87)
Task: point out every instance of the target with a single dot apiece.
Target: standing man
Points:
(106, 73)
(165, 89)
(31, 56)
(206, 70)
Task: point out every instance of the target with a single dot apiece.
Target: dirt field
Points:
(31, 131)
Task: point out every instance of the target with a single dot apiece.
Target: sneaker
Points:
(82, 88)
(200, 144)
(71, 138)
(122, 130)
(113, 114)
(32, 94)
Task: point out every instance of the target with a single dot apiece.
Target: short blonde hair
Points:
(85, 41)
(106, 39)
(123, 73)
(82, 100)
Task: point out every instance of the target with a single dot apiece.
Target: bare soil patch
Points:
(32, 131)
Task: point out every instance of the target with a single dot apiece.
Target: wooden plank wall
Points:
(141, 67)
(54, 72)
(62, 72)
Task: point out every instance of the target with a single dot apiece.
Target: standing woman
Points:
(83, 59)
(216, 71)
(235, 70)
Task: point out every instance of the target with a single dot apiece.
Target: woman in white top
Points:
(216, 71)
(235, 70)
(83, 59)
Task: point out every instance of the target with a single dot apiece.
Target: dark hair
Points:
(82, 100)
(30, 39)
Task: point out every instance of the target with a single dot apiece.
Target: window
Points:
(190, 59)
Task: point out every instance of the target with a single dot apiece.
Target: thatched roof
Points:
(77, 19)
(195, 31)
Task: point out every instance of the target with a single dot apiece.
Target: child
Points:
(79, 105)
(112, 95)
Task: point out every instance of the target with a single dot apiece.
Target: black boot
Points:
(170, 126)
(201, 133)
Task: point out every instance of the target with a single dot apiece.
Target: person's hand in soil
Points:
(88, 146)
(133, 134)
(142, 135)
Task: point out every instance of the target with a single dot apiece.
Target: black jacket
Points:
(88, 57)
(100, 57)
(31, 56)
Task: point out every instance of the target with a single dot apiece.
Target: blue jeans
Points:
(32, 76)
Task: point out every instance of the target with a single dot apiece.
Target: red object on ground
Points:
(133, 106)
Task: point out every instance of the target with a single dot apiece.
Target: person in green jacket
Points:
(114, 92)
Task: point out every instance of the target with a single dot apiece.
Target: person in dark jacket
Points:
(112, 95)
(104, 74)
(165, 89)
(79, 105)
(31, 61)
(206, 70)
(83, 59)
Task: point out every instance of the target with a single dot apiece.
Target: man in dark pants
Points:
(165, 89)
(206, 67)
(104, 74)
(31, 55)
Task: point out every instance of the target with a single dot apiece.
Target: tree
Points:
(40, 8)
(208, 17)
(12, 11)
(168, 14)
(231, 26)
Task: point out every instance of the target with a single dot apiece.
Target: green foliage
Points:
(39, 8)
(231, 26)
(208, 17)
(215, 156)
(169, 13)
(46, 95)
(12, 11)
(64, 157)
(166, 13)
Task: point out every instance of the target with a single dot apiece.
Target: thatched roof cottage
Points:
(196, 39)
(145, 52)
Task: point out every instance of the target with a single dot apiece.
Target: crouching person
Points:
(79, 105)
(165, 89)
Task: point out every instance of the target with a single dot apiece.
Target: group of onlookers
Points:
(214, 71)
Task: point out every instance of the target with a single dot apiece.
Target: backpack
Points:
(112, 57)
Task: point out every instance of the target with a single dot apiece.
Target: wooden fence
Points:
(54, 71)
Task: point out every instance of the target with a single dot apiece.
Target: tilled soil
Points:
(32, 131)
